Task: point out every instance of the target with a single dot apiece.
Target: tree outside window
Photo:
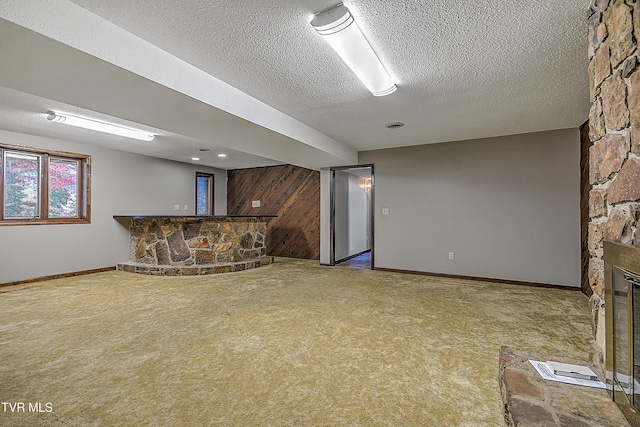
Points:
(21, 185)
(63, 188)
(204, 193)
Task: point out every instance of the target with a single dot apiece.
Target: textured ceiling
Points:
(465, 69)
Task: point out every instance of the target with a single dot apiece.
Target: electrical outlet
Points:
(176, 207)
(186, 207)
(385, 211)
(255, 203)
(450, 255)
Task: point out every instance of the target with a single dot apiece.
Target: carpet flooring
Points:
(293, 343)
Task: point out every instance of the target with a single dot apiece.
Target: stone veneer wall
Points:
(614, 130)
(189, 246)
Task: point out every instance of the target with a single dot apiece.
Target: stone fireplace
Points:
(614, 155)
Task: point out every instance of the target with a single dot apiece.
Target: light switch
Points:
(255, 203)
(385, 211)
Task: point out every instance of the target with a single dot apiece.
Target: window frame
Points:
(83, 186)
(210, 195)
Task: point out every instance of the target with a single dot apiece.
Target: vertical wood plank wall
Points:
(585, 188)
(292, 193)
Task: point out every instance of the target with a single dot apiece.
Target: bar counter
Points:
(194, 245)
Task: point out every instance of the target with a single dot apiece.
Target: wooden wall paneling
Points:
(292, 193)
(585, 188)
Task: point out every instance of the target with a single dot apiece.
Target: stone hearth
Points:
(529, 400)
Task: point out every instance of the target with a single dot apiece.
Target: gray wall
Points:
(508, 207)
(121, 183)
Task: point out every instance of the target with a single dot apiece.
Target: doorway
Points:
(352, 216)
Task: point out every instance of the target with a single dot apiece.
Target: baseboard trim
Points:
(390, 270)
(57, 276)
(483, 279)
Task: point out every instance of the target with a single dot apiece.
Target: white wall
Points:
(352, 216)
(121, 184)
(508, 207)
(341, 217)
(359, 216)
(325, 216)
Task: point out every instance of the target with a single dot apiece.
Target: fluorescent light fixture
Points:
(100, 126)
(337, 26)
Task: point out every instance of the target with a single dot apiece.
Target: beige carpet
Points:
(293, 343)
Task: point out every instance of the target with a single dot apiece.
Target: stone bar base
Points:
(194, 270)
(530, 400)
(195, 245)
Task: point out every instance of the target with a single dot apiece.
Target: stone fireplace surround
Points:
(614, 155)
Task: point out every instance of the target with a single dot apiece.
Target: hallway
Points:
(360, 261)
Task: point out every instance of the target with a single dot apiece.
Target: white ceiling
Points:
(253, 79)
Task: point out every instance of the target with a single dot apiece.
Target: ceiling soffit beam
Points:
(81, 32)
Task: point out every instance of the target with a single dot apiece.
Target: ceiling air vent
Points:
(394, 125)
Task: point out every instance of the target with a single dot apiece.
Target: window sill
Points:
(44, 221)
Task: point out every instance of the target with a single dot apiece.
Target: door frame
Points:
(332, 208)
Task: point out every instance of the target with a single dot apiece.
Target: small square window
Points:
(204, 194)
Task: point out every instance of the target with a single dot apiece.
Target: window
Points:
(42, 187)
(204, 193)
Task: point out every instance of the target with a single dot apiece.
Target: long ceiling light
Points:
(337, 26)
(100, 126)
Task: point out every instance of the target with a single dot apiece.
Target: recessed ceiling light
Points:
(195, 158)
(394, 125)
(222, 155)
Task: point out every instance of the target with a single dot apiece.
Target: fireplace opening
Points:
(622, 299)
